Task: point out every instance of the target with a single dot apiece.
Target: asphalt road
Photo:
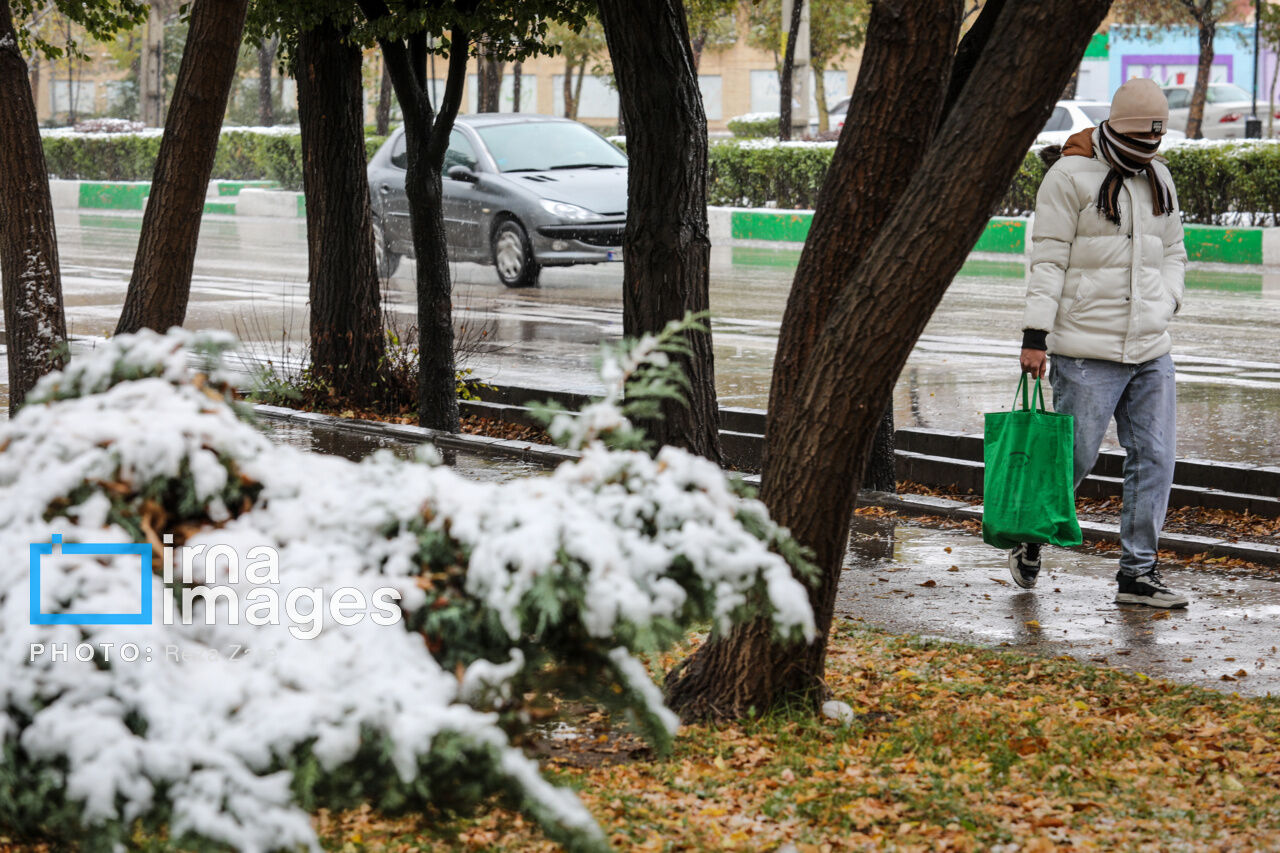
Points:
(250, 278)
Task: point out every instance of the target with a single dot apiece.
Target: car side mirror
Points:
(462, 173)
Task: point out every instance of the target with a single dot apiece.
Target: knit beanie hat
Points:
(1139, 107)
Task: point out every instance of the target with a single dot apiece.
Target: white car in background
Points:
(1072, 116)
(1226, 107)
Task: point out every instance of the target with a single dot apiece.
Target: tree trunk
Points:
(882, 466)
(570, 106)
(266, 57)
(788, 65)
(35, 78)
(517, 72)
(698, 43)
(383, 117)
(489, 77)
(1271, 99)
(34, 325)
(1069, 93)
(820, 96)
(346, 316)
(667, 246)
(161, 282)
(151, 74)
(437, 389)
(577, 87)
(849, 341)
(1195, 115)
(426, 140)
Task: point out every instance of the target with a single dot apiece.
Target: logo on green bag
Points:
(1019, 459)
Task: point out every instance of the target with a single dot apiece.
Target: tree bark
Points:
(1204, 69)
(34, 324)
(517, 72)
(570, 108)
(853, 339)
(161, 282)
(788, 65)
(882, 467)
(266, 58)
(489, 78)
(346, 316)
(151, 74)
(820, 97)
(383, 116)
(667, 246)
(426, 141)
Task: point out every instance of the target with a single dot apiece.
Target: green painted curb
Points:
(783, 226)
(114, 196)
(1007, 236)
(233, 188)
(1217, 244)
(227, 207)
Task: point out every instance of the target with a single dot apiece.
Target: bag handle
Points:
(1030, 398)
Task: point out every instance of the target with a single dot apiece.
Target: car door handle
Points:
(384, 189)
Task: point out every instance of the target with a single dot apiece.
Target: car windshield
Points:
(1219, 92)
(537, 146)
(1096, 113)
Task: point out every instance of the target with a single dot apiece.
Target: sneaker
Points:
(1149, 589)
(1024, 564)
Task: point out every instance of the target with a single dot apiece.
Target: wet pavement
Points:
(910, 579)
(250, 278)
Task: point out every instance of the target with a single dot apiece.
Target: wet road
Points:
(910, 579)
(251, 279)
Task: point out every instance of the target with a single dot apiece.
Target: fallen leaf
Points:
(930, 583)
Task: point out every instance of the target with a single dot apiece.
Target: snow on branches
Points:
(386, 649)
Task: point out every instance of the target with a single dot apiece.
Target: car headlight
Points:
(568, 211)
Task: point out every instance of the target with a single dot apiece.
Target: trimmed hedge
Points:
(755, 126)
(243, 155)
(1233, 184)
(751, 175)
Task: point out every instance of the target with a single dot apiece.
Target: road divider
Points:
(762, 228)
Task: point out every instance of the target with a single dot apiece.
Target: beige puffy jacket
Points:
(1099, 290)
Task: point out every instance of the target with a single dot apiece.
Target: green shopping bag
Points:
(1028, 488)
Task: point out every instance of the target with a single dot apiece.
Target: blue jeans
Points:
(1142, 399)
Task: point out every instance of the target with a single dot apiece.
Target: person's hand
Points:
(1035, 362)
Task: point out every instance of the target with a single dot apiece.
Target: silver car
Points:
(521, 192)
(1225, 109)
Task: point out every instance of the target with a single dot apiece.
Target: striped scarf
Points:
(1127, 157)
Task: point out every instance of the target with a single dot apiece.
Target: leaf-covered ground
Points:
(953, 748)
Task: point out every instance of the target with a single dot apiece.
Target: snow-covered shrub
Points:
(227, 730)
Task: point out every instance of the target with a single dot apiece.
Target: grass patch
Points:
(954, 747)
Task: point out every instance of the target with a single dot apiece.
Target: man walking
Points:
(1106, 278)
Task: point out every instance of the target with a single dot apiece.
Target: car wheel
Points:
(388, 261)
(513, 255)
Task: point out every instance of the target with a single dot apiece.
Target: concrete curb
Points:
(1003, 236)
(551, 456)
(128, 196)
(545, 454)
